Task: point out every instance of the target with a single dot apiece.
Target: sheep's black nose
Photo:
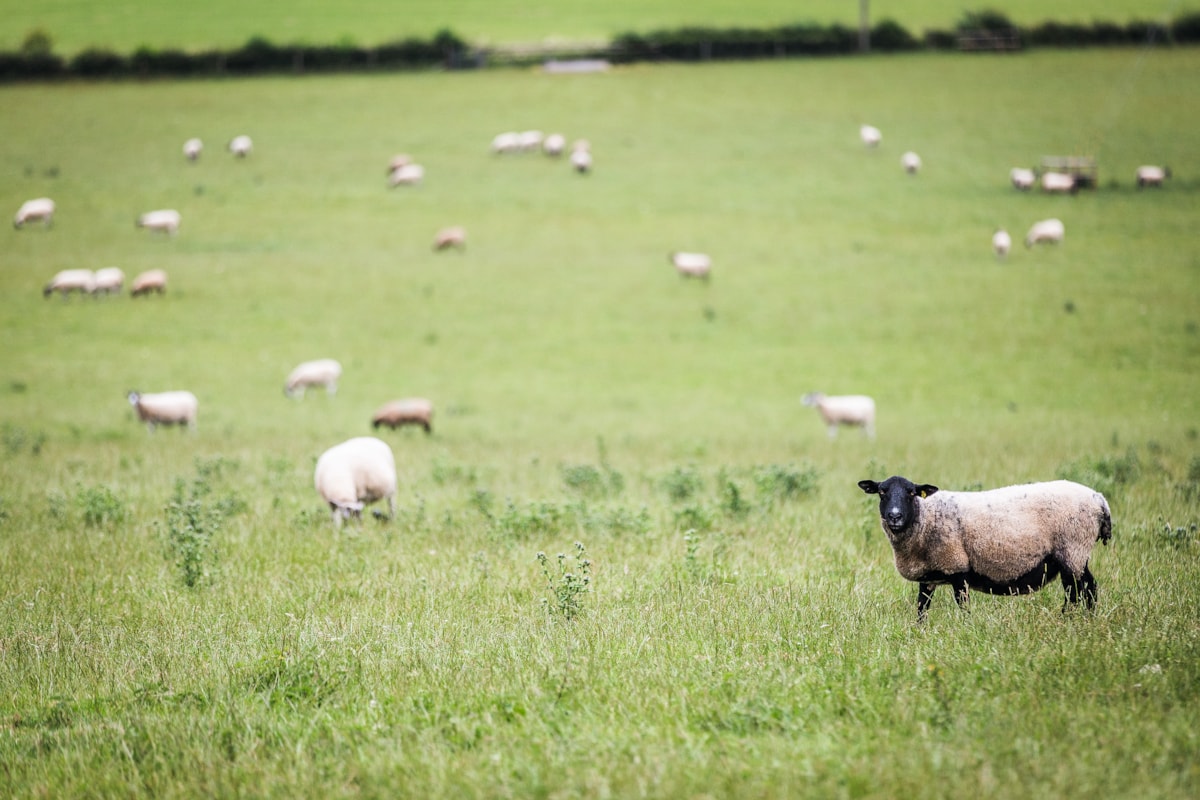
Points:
(894, 517)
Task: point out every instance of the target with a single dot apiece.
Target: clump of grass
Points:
(101, 507)
(1191, 481)
(785, 482)
(592, 481)
(288, 678)
(568, 584)
(682, 483)
(194, 517)
(1180, 536)
(521, 522)
(16, 439)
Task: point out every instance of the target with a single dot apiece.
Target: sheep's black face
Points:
(897, 500)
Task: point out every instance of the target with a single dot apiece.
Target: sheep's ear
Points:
(926, 489)
(871, 487)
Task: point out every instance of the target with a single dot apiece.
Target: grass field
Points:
(743, 632)
(124, 26)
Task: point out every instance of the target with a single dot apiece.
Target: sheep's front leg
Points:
(924, 598)
(962, 593)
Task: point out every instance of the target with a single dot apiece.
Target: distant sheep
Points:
(1001, 242)
(71, 280)
(1046, 230)
(911, 162)
(581, 161)
(1013, 540)
(192, 149)
(164, 220)
(310, 374)
(508, 142)
(399, 160)
(409, 411)
(1152, 176)
(854, 410)
(354, 474)
(870, 135)
(554, 145)
(455, 236)
(1059, 183)
(152, 280)
(109, 280)
(1022, 178)
(241, 146)
(407, 175)
(40, 209)
(530, 141)
(165, 408)
(692, 265)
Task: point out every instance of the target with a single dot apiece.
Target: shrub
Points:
(987, 19)
(95, 63)
(1186, 28)
(682, 483)
(101, 507)
(889, 36)
(569, 585)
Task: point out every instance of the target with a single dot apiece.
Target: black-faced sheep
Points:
(455, 236)
(71, 280)
(1001, 242)
(850, 409)
(354, 474)
(109, 280)
(322, 372)
(192, 149)
(1045, 231)
(870, 135)
(241, 146)
(165, 408)
(911, 162)
(409, 411)
(1152, 176)
(40, 209)
(581, 161)
(152, 280)
(407, 175)
(1022, 178)
(1010, 541)
(691, 265)
(164, 220)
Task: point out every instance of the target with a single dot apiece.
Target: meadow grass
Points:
(179, 617)
(124, 26)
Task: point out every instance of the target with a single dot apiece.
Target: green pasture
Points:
(178, 617)
(125, 25)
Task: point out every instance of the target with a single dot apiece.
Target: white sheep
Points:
(1152, 176)
(409, 411)
(855, 410)
(241, 146)
(407, 175)
(454, 236)
(870, 135)
(399, 160)
(152, 280)
(71, 280)
(911, 162)
(354, 474)
(1046, 230)
(691, 265)
(192, 149)
(1001, 242)
(40, 209)
(1022, 178)
(581, 161)
(554, 145)
(1013, 540)
(529, 141)
(164, 220)
(508, 142)
(109, 280)
(165, 408)
(1059, 183)
(322, 372)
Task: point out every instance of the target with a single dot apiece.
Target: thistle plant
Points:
(569, 585)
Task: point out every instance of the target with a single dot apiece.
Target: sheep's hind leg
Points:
(1082, 586)
(924, 598)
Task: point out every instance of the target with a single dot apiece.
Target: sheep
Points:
(165, 408)
(581, 161)
(1001, 242)
(164, 220)
(408, 175)
(529, 141)
(322, 372)
(851, 409)
(39, 209)
(409, 411)
(354, 474)
(1046, 230)
(911, 162)
(192, 149)
(1013, 540)
(691, 265)
(1059, 183)
(455, 236)
(152, 280)
(399, 160)
(241, 146)
(581, 144)
(109, 280)
(870, 135)
(71, 280)
(1152, 176)
(554, 145)
(508, 142)
(1022, 178)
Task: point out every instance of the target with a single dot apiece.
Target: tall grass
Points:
(179, 617)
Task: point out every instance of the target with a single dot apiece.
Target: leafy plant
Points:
(101, 507)
(682, 483)
(568, 586)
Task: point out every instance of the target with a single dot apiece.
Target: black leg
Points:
(962, 593)
(924, 598)
(1088, 585)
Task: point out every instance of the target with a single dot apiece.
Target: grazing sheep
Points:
(1001, 242)
(529, 141)
(1152, 176)
(455, 236)
(506, 143)
(554, 145)
(109, 280)
(1046, 230)
(691, 265)
(398, 161)
(1022, 178)
(322, 372)
(152, 280)
(241, 146)
(39, 209)
(192, 149)
(851, 409)
(71, 280)
(354, 474)
(165, 408)
(1013, 540)
(164, 220)
(870, 135)
(911, 162)
(408, 175)
(581, 161)
(409, 411)
(1059, 183)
